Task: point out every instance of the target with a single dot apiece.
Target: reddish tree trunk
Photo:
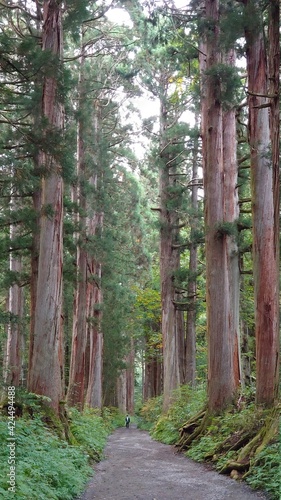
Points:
(122, 392)
(94, 299)
(231, 214)
(94, 275)
(180, 332)
(265, 193)
(46, 367)
(168, 264)
(76, 386)
(221, 371)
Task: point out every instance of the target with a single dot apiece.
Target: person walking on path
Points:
(127, 421)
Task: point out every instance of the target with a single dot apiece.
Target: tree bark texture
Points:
(231, 214)
(221, 370)
(190, 344)
(265, 203)
(94, 300)
(36, 199)
(76, 385)
(94, 222)
(13, 366)
(169, 263)
(122, 392)
(46, 369)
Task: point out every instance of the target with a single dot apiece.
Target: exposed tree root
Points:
(265, 435)
(245, 443)
(192, 429)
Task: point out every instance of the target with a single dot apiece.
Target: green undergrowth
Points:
(217, 443)
(48, 466)
(265, 471)
(225, 430)
(165, 428)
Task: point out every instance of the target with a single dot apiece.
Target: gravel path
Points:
(137, 468)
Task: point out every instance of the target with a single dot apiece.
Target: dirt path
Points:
(138, 468)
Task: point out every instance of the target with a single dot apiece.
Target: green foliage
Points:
(227, 229)
(150, 412)
(218, 444)
(187, 401)
(165, 427)
(222, 427)
(48, 467)
(92, 427)
(226, 83)
(265, 471)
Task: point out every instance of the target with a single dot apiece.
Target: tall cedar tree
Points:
(222, 376)
(265, 194)
(47, 363)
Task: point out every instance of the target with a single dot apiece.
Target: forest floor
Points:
(137, 468)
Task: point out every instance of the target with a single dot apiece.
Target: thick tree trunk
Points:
(76, 386)
(168, 264)
(152, 382)
(265, 193)
(274, 89)
(231, 214)
(94, 299)
(122, 392)
(46, 368)
(148, 391)
(221, 371)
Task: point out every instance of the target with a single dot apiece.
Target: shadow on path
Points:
(137, 468)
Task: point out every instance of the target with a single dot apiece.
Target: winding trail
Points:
(137, 468)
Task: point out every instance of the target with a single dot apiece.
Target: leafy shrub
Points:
(47, 466)
(224, 426)
(90, 431)
(165, 427)
(112, 418)
(265, 471)
(187, 401)
(149, 413)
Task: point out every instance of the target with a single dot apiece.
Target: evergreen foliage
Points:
(226, 82)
